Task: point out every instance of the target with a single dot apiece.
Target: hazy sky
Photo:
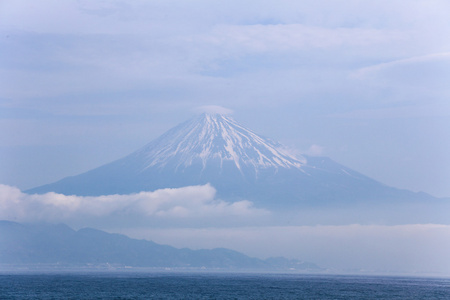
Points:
(366, 83)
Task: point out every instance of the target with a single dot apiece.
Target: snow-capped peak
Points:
(216, 137)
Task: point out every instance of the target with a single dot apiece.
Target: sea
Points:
(218, 286)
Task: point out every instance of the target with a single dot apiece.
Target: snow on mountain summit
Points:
(214, 149)
(218, 138)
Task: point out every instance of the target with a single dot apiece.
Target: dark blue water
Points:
(219, 286)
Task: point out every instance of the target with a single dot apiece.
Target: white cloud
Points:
(315, 150)
(192, 202)
(213, 109)
(431, 71)
(292, 37)
(119, 45)
(419, 83)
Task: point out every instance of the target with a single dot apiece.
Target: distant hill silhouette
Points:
(59, 246)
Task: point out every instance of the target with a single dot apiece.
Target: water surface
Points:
(218, 286)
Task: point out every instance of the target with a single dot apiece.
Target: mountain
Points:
(59, 246)
(239, 163)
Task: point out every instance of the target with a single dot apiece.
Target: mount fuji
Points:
(215, 149)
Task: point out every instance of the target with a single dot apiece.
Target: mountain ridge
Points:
(212, 136)
(59, 246)
(240, 164)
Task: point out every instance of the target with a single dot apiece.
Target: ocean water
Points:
(219, 286)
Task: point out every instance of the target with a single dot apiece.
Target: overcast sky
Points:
(365, 83)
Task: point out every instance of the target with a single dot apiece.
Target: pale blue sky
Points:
(364, 82)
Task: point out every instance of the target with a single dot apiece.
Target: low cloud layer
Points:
(192, 202)
(193, 217)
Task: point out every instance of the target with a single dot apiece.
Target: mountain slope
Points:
(214, 139)
(240, 164)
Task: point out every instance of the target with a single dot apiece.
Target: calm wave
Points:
(219, 286)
